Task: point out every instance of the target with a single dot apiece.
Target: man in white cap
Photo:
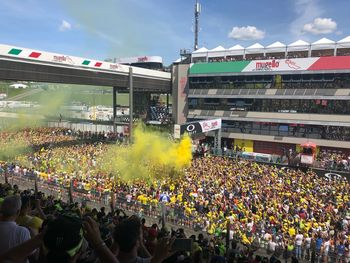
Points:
(11, 234)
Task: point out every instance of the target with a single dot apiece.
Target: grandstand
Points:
(272, 98)
(277, 50)
(159, 113)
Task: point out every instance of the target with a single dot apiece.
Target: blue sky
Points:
(102, 29)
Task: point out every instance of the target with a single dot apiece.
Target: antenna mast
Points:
(197, 11)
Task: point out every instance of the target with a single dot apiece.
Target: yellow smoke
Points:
(152, 156)
(12, 148)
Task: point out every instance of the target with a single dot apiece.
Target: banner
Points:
(177, 131)
(280, 64)
(191, 128)
(273, 65)
(200, 126)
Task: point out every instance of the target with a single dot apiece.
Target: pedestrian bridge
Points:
(38, 66)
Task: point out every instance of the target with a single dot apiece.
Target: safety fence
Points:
(95, 198)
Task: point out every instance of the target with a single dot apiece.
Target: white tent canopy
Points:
(202, 52)
(344, 43)
(218, 48)
(255, 49)
(299, 45)
(236, 47)
(323, 43)
(219, 51)
(276, 47)
(236, 50)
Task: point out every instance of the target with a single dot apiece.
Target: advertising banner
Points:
(273, 65)
(280, 64)
(200, 126)
(210, 125)
(177, 131)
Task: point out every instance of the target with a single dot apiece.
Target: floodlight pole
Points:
(131, 108)
(197, 11)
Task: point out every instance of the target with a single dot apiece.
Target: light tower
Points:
(197, 11)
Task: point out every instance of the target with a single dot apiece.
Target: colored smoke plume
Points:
(12, 148)
(152, 156)
(49, 105)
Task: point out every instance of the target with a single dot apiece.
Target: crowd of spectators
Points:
(39, 228)
(286, 212)
(159, 113)
(333, 160)
(275, 105)
(270, 56)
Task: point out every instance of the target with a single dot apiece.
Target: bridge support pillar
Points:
(131, 99)
(167, 102)
(115, 97)
(217, 141)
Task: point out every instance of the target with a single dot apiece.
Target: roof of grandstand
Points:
(299, 45)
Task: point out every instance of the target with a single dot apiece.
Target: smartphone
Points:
(182, 244)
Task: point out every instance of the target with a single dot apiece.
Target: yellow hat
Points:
(35, 223)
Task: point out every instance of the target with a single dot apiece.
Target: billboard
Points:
(142, 59)
(280, 64)
(273, 65)
(200, 126)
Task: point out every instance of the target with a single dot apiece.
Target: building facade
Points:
(268, 104)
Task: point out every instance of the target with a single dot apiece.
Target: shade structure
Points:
(236, 50)
(323, 43)
(255, 49)
(276, 47)
(309, 145)
(344, 43)
(219, 51)
(202, 52)
(299, 45)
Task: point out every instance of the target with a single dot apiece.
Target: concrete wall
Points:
(180, 92)
(303, 118)
(282, 139)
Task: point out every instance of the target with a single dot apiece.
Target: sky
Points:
(100, 29)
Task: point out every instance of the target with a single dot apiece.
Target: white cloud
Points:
(339, 32)
(65, 26)
(320, 26)
(305, 11)
(246, 33)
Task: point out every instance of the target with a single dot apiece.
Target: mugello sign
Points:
(280, 64)
(273, 65)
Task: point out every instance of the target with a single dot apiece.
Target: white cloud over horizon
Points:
(246, 33)
(320, 26)
(65, 26)
(305, 10)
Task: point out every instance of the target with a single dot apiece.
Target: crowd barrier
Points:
(330, 174)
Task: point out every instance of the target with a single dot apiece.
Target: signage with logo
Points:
(200, 126)
(280, 64)
(307, 159)
(210, 125)
(267, 65)
(334, 176)
(63, 59)
(191, 128)
(177, 131)
(113, 66)
(142, 59)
